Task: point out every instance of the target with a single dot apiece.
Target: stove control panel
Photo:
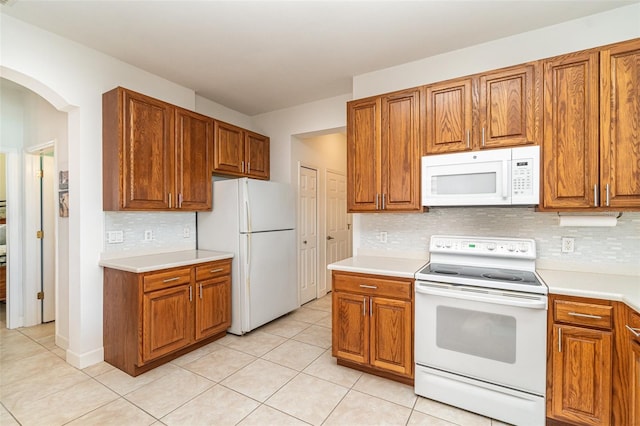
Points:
(484, 246)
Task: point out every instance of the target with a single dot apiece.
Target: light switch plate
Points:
(115, 237)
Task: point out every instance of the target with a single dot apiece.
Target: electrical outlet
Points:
(568, 244)
(186, 232)
(383, 236)
(148, 235)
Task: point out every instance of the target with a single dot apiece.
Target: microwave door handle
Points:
(505, 182)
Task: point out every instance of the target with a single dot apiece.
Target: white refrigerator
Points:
(255, 220)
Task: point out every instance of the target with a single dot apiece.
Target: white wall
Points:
(611, 249)
(595, 30)
(222, 113)
(322, 116)
(73, 78)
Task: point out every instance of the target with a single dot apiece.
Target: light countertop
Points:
(380, 265)
(154, 262)
(623, 288)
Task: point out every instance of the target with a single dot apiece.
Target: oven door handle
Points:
(479, 295)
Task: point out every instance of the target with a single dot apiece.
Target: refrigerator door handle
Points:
(248, 256)
(246, 205)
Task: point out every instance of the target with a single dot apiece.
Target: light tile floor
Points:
(280, 374)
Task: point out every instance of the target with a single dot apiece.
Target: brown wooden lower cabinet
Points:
(631, 336)
(373, 324)
(593, 365)
(153, 317)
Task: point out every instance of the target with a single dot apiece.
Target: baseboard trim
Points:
(86, 359)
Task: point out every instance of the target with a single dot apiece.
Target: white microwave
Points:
(509, 176)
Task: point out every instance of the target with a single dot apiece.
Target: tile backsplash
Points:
(167, 230)
(597, 249)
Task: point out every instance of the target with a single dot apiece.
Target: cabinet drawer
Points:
(166, 279)
(212, 270)
(633, 321)
(373, 285)
(587, 314)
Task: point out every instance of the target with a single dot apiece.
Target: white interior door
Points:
(338, 229)
(49, 214)
(308, 234)
(41, 214)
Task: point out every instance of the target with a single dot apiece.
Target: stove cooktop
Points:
(478, 276)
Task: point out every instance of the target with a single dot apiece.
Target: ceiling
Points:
(260, 56)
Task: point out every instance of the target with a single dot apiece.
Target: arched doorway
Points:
(42, 104)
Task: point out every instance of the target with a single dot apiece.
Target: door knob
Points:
(329, 237)
(304, 242)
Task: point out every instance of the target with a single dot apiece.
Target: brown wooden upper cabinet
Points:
(383, 153)
(490, 110)
(239, 152)
(591, 147)
(155, 155)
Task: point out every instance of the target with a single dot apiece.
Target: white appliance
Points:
(255, 220)
(509, 176)
(481, 328)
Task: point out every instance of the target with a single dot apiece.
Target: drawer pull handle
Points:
(634, 331)
(576, 314)
(368, 286)
(213, 271)
(168, 280)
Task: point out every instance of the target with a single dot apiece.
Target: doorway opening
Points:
(32, 236)
(325, 153)
(307, 233)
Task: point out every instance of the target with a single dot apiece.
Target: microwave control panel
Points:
(522, 177)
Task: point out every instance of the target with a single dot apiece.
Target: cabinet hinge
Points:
(40, 235)
(39, 174)
(40, 295)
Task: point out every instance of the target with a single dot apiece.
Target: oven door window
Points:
(482, 334)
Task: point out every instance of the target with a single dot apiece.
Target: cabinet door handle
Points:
(364, 306)
(213, 271)
(577, 314)
(190, 293)
(368, 286)
(180, 200)
(483, 136)
(370, 307)
(468, 138)
(377, 201)
(200, 291)
(169, 200)
(634, 331)
(242, 166)
(559, 340)
(607, 191)
(168, 280)
(383, 201)
(595, 195)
